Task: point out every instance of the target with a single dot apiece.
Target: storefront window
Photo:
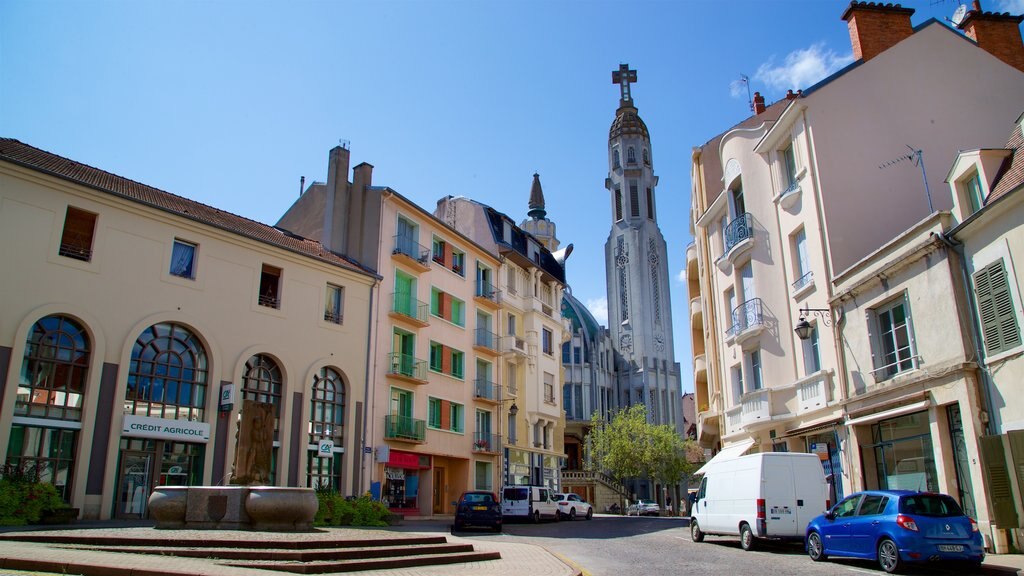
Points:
(327, 409)
(54, 370)
(518, 467)
(903, 453)
(167, 377)
(46, 453)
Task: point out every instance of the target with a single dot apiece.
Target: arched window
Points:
(326, 422)
(630, 155)
(54, 370)
(167, 377)
(52, 386)
(647, 161)
(261, 382)
(615, 159)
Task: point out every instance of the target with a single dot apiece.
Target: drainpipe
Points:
(979, 353)
(367, 412)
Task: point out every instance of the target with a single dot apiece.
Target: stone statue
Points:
(255, 444)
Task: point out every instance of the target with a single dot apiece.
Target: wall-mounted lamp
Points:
(513, 409)
(803, 327)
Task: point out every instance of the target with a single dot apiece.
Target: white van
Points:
(767, 495)
(529, 502)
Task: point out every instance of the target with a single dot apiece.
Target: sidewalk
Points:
(516, 559)
(1009, 561)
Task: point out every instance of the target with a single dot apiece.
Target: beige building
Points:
(465, 340)
(808, 203)
(135, 322)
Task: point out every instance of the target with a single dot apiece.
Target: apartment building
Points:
(135, 322)
(801, 206)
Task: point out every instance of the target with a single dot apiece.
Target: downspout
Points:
(363, 486)
(986, 379)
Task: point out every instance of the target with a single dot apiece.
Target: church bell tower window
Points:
(630, 155)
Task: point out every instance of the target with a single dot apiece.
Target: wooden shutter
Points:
(997, 481)
(995, 308)
(1016, 438)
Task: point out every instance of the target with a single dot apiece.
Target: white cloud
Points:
(1011, 6)
(803, 67)
(682, 276)
(738, 88)
(599, 308)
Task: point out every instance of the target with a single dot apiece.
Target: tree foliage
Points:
(628, 446)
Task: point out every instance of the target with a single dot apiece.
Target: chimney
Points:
(758, 103)
(790, 95)
(336, 205)
(876, 27)
(302, 185)
(998, 34)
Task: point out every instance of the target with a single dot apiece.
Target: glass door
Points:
(135, 485)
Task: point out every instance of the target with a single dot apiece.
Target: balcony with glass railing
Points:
(407, 367)
(747, 321)
(405, 307)
(404, 428)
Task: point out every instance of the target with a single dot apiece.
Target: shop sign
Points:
(325, 449)
(227, 396)
(821, 449)
(164, 429)
(408, 460)
(394, 473)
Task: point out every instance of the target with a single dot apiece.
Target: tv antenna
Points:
(917, 157)
(958, 14)
(745, 80)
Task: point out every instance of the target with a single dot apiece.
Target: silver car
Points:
(643, 508)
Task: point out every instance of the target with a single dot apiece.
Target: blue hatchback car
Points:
(896, 527)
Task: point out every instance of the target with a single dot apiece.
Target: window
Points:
(444, 305)
(483, 476)
(261, 382)
(439, 250)
(973, 194)
(510, 280)
(334, 306)
(326, 422)
(615, 159)
(270, 287)
(801, 260)
(167, 375)
(444, 415)
(618, 204)
(873, 505)
(76, 240)
(737, 384)
(789, 163)
(513, 378)
(546, 341)
(894, 340)
(650, 204)
(407, 240)
(812, 354)
(634, 200)
(549, 388)
(511, 324)
(630, 155)
(54, 370)
(647, 161)
(446, 360)
(458, 361)
(459, 262)
(999, 326)
(183, 259)
(847, 507)
(754, 364)
(738, 204)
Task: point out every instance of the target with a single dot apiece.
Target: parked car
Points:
(477, 508)
(571, 505)
(643, 508)
(896, 527)
(767, 495)
(532, 503)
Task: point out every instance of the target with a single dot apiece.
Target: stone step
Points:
(275, 554)
(371, 564)
(221, 542)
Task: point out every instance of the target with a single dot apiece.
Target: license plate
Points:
(950, 548)
(479, 507)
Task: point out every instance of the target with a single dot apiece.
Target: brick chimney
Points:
(758, 103)
(998, 34)
(876, 27)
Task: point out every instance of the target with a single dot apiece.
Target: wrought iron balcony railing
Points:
(739, 230)
(745, 316)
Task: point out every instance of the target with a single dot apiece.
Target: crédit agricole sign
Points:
(164, 429)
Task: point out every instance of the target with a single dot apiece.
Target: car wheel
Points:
(572, 514)
(457, 526)
(695, 532)
(889, 556)
(815, 549)
(590, 513)
(746, 537)
(497, 528)
(536, 516)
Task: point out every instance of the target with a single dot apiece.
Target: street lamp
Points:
(803, 327)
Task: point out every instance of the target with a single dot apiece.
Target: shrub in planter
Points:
(24, 499)
(338, 510)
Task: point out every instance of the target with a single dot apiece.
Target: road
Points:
(616, 545)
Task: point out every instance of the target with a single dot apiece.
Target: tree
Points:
(628, 446)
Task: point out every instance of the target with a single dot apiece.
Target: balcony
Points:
(802, 284)
(485, 390)
(485, 341)
(696, 313)
(733, 420)
(405, 429)
(814, 391)
(788, 197)
(700, 367)
(691, 257)
(756, 407)
(747, 321)
(486, 443)
(407, 368)
(405, 307)
(514, 345)
(739, 237)
(487, 294)
(410, 252)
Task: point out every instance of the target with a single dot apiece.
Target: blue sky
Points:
(231, 102)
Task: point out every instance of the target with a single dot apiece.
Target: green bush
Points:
(23, 497)
(337, 510)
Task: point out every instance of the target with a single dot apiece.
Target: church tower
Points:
(636, 265)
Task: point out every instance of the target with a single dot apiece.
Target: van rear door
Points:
(779, 493)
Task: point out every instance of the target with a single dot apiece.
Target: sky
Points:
(230, 102)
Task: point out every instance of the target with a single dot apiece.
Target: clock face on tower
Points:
(626, 342)
(659, 342)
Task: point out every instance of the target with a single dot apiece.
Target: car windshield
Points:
(938, 505)
(515, 494)
(478, 499)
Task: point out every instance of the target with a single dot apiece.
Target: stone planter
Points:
(59, 516)
(281, 509)
(167, 505)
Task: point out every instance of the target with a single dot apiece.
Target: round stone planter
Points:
(281, 509)
(167, 506)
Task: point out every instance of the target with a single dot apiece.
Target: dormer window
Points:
(973, 194)
(630, 155)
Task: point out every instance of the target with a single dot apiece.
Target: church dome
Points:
(628, 123)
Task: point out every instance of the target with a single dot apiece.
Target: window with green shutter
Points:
(434, 412)
(998, 315)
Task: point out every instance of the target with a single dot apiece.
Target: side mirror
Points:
(830, 515)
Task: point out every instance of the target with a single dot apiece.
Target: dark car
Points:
(477, 508)
(896, 527)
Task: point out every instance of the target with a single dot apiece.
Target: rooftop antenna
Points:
(746, 81)
(343, 143)
(917, 157)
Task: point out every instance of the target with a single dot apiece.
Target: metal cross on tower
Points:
(623, 76)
